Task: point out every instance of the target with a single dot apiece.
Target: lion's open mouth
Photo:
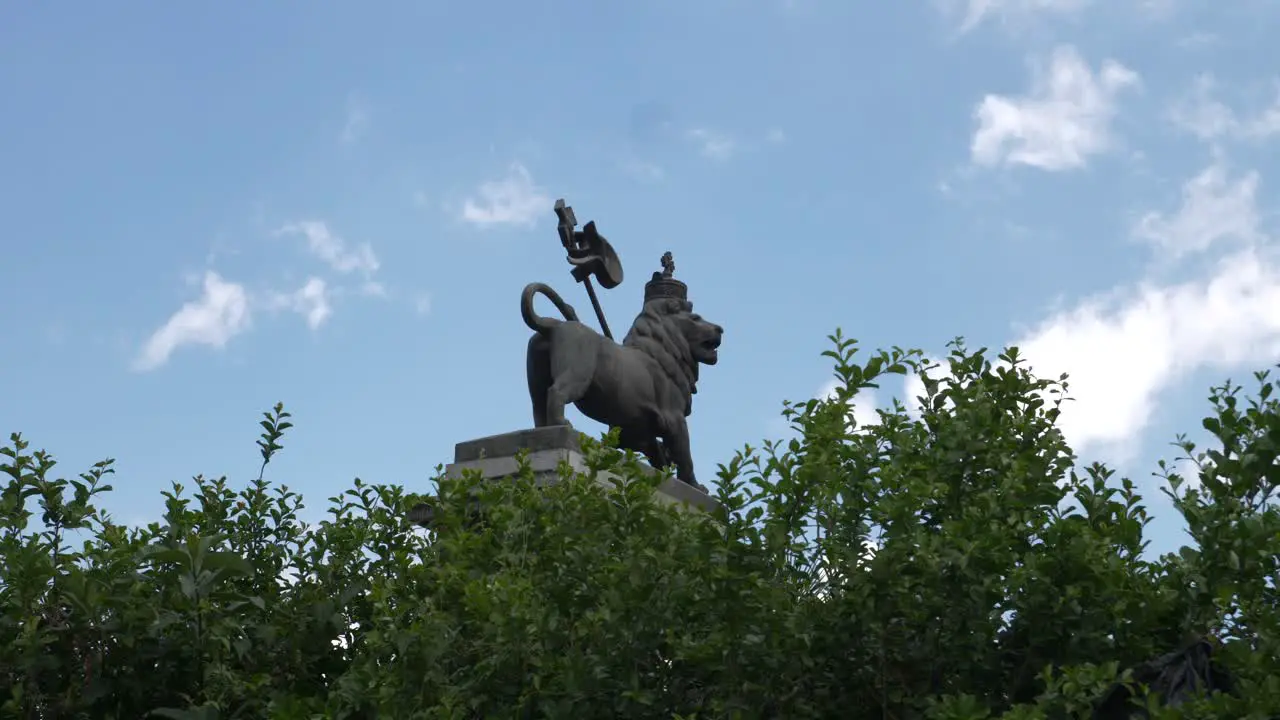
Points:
(709, 347)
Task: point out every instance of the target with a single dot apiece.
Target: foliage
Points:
(953, 562)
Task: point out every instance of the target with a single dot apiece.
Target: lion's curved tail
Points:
(536, 322)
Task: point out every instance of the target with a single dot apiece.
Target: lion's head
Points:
(668, 331)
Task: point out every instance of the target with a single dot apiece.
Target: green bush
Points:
(956, 563)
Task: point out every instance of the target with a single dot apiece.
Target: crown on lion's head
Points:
(663, 285)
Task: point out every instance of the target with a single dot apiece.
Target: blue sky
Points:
(210, 209)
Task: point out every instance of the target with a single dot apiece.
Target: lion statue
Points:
(644, 387)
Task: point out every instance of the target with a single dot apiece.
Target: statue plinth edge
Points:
(495, 457)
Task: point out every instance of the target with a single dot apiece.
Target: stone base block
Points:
(495, 457)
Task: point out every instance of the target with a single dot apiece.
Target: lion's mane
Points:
(656, 334)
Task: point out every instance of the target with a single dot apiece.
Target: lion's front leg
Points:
(646, 445)
(676, 444)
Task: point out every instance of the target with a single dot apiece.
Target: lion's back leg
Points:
(573, 368)
(538, 366)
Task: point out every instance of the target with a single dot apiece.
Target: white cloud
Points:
(422, 304)
(870, 547)
(311, 301)
(1158, 9)
(863, 404)
(1124, 348)
(224, 309)
(1064, 120)
(331, 249)
(642, 170)
(55, 334)
(221, 313)
(913, 390)
(1188, 469)
(1200, 113)
(913, 385)
(357, 120)
(512, 200)
(978, 11)
(712, 144)
(1213, 210)
(1197, 40)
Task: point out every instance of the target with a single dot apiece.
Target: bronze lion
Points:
(644, 387)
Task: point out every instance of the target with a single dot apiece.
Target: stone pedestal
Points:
(495, 458)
